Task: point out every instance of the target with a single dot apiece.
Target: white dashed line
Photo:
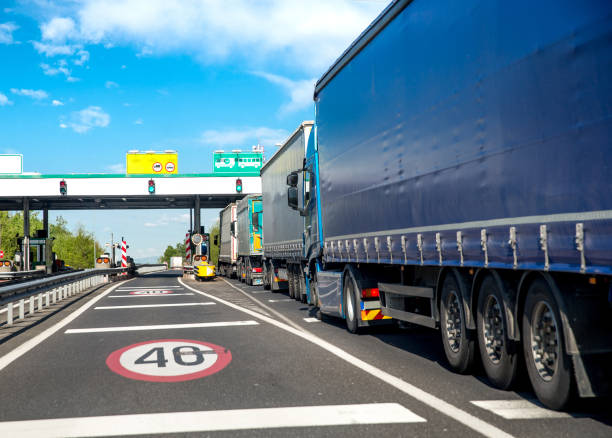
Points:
(208, 421)
(150, 295)
(312, 320)
(160, 327)
(281, 300)
(146, 306)
(518, 409)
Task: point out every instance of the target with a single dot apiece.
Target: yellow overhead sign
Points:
(152, 162)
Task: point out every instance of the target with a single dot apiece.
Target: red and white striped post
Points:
(187, 249)
(123, 253)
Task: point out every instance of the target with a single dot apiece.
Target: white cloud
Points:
(6, 32)
(138, 122)
(60, 68)
(300, 92)
(51, 50)
(56, 102)
(167, 219)
(90, 117)
(243, 138)
(116, 168)
(83, 57)
(4, 100)
(58, 30)
(63, 125)
(303, 35)
(34, 94)
(111, 84)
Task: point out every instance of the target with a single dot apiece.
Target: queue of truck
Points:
(457, 186)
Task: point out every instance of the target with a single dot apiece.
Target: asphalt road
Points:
(162, 355)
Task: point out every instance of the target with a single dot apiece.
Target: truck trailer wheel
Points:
(459, 346)
(498, 355)
(266, 277)
(548, 365)
(302, 285)
(350, 304)
(290, 282)
(312, 285)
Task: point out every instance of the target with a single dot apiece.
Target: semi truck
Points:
(250, 240)
(283, 255)
(460, 180)
(228, 242)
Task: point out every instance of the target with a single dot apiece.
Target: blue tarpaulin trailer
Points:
(460, 175)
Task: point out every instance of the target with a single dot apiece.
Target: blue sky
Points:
(84, 81)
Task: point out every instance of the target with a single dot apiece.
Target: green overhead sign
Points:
(237, 163)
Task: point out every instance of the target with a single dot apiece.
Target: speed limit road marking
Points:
(169, 360)
(151, 292)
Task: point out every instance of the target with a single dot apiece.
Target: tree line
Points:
(76, 249)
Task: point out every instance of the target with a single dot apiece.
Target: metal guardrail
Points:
(43, 292)
(21, 274)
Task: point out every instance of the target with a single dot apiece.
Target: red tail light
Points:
(370, 293)
(257, 270)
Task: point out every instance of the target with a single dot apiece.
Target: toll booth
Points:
(41, 253)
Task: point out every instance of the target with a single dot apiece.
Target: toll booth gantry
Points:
(119, 192)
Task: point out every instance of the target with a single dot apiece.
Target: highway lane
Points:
(277, 382)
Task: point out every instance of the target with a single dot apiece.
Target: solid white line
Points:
(150, 288)
(312, 320)
(518, 409)
(150, 295)
(260, 292)
(160, 327)
(282, 300)
(208, 421)
(430, 400)
(143, 306)
(28, 345)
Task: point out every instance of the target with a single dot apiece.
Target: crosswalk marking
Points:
(207, 421)
(143, 306)
(150, 295)
(518, 409)
(161, 327)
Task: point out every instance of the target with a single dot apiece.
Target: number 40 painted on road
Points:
(169, 360)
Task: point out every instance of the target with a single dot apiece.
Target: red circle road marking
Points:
(151, 292)
(114, 361)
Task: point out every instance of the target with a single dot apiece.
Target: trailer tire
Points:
(549, 371)
(290, 284)
(459, 345)
(350, 304)
(266, 277)
(312, 284)
(302, 285)
(498, 354)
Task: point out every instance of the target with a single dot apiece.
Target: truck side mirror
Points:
(292, 197)
(292, 179)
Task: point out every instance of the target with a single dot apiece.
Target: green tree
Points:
(172, 251)
(77, 250)
(11, 227)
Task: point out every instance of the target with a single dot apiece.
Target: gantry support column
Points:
(26, 235)
(196, 222)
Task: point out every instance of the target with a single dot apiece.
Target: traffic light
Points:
(63, 188)
(239, 185)
(151, 187)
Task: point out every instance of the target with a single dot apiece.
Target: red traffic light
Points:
(63, 188)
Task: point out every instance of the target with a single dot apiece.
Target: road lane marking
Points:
(519, 409)
(28, 345)
(260, 292)
(148, 288)
(143, 306)
(312, 320)
(281, 300)
(161, 327)
(417, 393)
(150, 295)
(209, 421)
